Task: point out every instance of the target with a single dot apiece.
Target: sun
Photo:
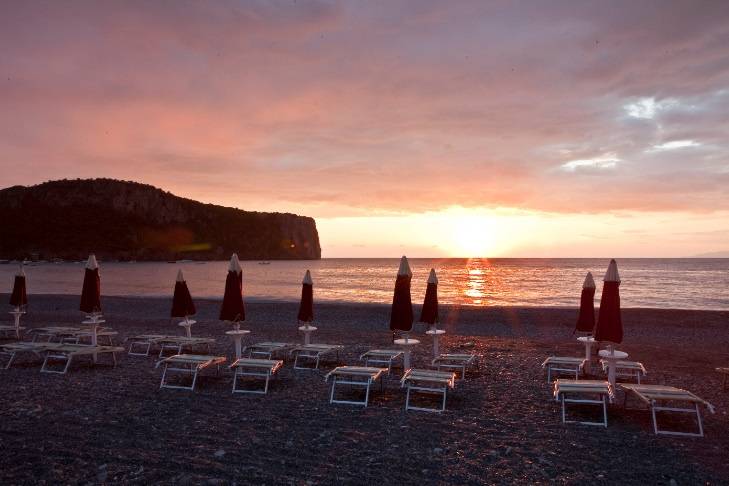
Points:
(473, 236)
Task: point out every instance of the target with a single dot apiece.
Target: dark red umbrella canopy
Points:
(609, 322)
(91, 291)
(232, 308)
(19, 297)
(586, 316)
(182, 304)
(429, 313)
(306, 308)
(401, 315)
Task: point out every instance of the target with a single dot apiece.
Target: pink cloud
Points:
(405, 106)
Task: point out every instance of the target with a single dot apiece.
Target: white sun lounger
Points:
(313, 352)
(76, 337)
(264, 368)
(657, 396)
(627, 369)
(11, 350)
(11, 330)
(584, 391)
(143, 341)
(180, 343)
(563, 364)
(430, 382)
(67, 352)
(455, 362)
(188, 364)
(382, 356)
(51, 332)
(355, 376)
(266, 349)
(725, 372)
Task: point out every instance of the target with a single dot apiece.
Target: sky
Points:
(426, 128)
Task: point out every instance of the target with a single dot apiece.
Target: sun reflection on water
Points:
(475, 289)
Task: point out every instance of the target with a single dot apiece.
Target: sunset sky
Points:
(465, 128)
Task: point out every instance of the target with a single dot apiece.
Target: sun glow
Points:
(473, 237)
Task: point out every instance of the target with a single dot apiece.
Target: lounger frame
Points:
(66, 354)
(189, 364)
(563, 364)
(313, 353)
(354, 376)
(13, 349)
(382, 356)
(428, 382)
(12, 330)
(563, 388)
(179, 343)
(265, 350)
(455, 362)
(260, 368)
(654, 396)
(626, 369)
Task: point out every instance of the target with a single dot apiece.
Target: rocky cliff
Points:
(69, 219)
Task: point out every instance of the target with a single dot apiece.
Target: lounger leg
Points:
(549, 373)
(265, 388)
(407, 399)
(604, 410)
(653, 413)
(563, 412)
(698, 419)
(68, 363)
(445, 391)
(164, 373)
(367, 393)
(10, 361)
(334, 383)
(194, 379)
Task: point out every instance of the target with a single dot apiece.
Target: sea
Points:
(668, 283)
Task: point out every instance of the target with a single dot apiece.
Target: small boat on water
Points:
(264, 263)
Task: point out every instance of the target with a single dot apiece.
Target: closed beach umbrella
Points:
(401, 315)
(586, 316)
(19, 297)
(182, 304)
(609, 322)
(429, 313)
(306, 308)
(91, 291)
(232, 308)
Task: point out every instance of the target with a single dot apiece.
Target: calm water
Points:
(663, 283)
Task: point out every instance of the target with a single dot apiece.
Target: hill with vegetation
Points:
(68, 219)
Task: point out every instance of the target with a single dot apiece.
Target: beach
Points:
(501, 426)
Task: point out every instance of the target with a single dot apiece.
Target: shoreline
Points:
(4, 296)
(502, 426)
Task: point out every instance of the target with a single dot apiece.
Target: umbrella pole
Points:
(187, 327)
(611, 365)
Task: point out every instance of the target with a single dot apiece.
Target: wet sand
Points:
(104, 425)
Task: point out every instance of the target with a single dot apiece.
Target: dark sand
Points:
(103, 425)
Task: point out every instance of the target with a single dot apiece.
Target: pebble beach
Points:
(103, 425)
